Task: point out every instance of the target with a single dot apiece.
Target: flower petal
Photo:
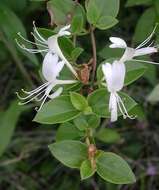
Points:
(118, 75)
(113, 107)
(145, 51)
(107, 70)
(117, 43)
(56, 93)
(49, 69)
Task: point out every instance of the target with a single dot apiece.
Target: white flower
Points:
(49, 45)
(114, 75)
(130, 53)
(50, 70)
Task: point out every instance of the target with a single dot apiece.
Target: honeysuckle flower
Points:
(140, 50)
(49, 45)
(51, 69)
(114, 75)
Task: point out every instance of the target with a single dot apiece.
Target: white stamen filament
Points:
(36, 31)
(151, 62)
(148, 39)
(122, 108)
(19, 34)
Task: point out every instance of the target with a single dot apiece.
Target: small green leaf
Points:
(78, 101)
(102, 13)
(70, 152)
(59, 10)
(76, 53)
(68, 131)
(106, 22)
(58, 110)
(78, 20)
(114, 169)
(86, 170)
(108, 135)
(84, 122)
(99, 102)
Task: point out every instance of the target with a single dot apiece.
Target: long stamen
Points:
(124, 115)
(37, 89)
(151, 62)
(148, 39)
(36, 31)
(30, 95)
(19, 34)
(33, 98)
(37, 38)
(22, 46)
(124, 108)
(37, 109)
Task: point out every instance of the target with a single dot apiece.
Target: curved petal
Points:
(56, 93)
(113, 107)
(63, 31)
(118, 75)
(107, 70)
(49, 68)
(117, 43)
(145, 51)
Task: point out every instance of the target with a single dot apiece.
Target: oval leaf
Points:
(68, 131)
(114, 169)
(58, 110)
(71, 153)
(86, 170)
(78, 101)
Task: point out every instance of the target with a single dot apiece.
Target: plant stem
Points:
(17, 60)
(94, 51)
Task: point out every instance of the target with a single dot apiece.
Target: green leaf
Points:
(102, 13)
(76, 53)
(68, 131)
(108, 135)
(78, 20)
(106, 22)
(154, 95)
(134, 70)
(78, 101)
(60, 10)
(10, 26)
(107, 52)
(8, 122)
(99, 102)
(83, 122)
(144, 26)
(114, 169)
(58, 110)
(131, 3)
(70, 152)
(86, 170)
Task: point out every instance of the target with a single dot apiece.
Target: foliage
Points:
(78, 121)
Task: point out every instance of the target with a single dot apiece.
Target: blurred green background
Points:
(25, 161)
